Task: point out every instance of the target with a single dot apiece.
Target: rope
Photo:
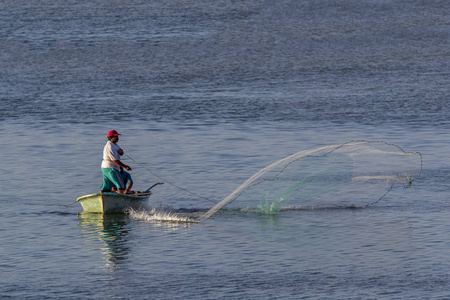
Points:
(172, 184)
(67, 205)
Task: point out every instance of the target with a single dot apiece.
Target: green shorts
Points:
(111, 178)
(126, 177)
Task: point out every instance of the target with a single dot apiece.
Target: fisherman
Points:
(114, 177)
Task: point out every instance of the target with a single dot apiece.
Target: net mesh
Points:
(353, 174)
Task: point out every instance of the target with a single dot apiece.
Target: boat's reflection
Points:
(111, 229)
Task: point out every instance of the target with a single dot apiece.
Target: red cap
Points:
(113, 133)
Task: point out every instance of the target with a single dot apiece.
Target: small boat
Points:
(112, 202)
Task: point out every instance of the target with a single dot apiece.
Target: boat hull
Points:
(112, 202)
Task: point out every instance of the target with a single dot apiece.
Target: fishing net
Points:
(354, 174)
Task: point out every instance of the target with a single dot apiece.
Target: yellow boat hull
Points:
(112, 202)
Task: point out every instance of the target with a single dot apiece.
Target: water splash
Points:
(353, 174)
(155, 215)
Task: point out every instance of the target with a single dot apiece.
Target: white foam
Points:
(154, 215)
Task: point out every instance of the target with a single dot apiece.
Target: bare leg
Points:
(128, 190)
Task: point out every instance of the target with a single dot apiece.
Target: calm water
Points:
(205, 94)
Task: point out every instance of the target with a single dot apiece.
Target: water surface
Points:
(205, 95)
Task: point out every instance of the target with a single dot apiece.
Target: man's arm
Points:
(121, 164)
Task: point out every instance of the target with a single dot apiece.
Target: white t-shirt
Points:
(110, 153)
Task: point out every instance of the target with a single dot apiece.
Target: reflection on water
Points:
(111, 230)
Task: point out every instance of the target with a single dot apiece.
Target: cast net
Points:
(354, 174)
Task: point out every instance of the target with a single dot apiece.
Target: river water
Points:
(206, 93)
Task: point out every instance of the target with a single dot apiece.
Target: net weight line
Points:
(171, 183)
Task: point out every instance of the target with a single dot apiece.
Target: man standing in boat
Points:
(114, 177)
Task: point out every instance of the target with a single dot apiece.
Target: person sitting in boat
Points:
(114, 177)
(127, 180)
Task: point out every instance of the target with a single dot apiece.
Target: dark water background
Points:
(206, 94)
